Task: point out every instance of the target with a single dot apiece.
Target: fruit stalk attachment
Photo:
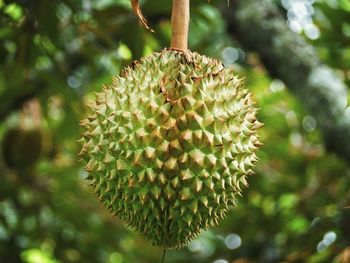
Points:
(180, 19)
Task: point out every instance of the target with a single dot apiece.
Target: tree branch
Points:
(260, 27)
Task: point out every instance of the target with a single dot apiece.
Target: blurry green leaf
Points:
(103, 4)
(115, 258)
(288, 201)
(268, 206)
(124, 52)
(298, 225)
(345, 4)
(14, 11)
(321, 257)
(346, 55)
(147, 51)
(346, 29)
(37, 256)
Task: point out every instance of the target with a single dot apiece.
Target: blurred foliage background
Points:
(55, 54)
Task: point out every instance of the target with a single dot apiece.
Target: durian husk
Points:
(169, 144)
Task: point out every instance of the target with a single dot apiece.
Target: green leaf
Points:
(345, 4)
(37, 256)
(14, 11)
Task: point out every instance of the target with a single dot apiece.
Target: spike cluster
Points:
(169, 144)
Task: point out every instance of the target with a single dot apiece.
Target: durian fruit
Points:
(21, 147)
(169, 144)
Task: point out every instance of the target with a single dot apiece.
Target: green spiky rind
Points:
(169, 144)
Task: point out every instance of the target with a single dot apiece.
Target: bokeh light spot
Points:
(233, 241)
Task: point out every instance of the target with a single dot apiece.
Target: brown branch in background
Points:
(137, 10)
(260, 27)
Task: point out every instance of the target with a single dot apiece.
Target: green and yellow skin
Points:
(169, 144)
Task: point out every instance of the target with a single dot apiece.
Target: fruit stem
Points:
(180, 19)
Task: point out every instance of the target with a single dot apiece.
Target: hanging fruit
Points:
(169, 144)
(22, 145)
(21, 148)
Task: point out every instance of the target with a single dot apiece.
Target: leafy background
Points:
(55, 54)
